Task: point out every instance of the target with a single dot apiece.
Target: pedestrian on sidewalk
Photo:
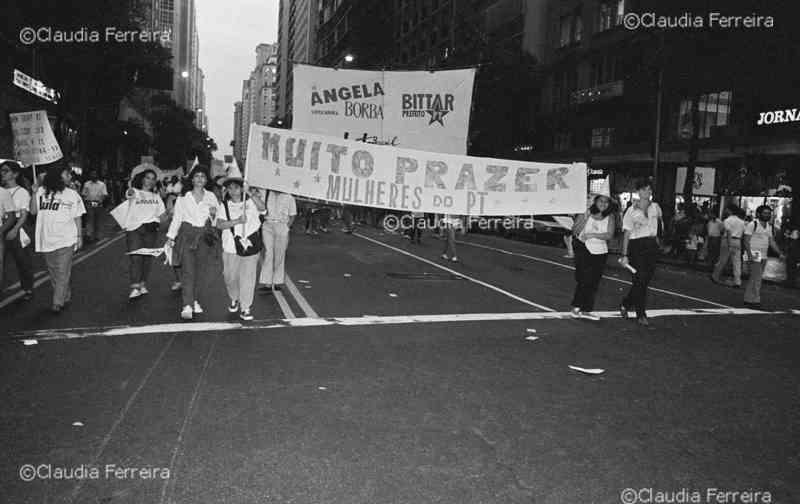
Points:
(759, 237)
(241, 243)
(731, 250)
(94, 193)
(193, 237)
(591, 232)
(18, 242)
(450, 224)
(58, 236)
(714, 230)
(144, 213)
(281, 212)
(640, 248)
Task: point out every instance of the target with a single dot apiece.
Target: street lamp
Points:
(185, 74)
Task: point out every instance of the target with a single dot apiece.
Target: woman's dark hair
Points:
(642, 182)
(53, 183)
(16, 169)
(762, 208)
(594, 210)
(138, 180)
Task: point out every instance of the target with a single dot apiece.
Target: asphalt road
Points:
(384, 374)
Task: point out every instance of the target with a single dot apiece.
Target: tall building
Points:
(297, 37)
(359, 28)
(180, 19)
(237, 133)
(200, 101)
(258, 93)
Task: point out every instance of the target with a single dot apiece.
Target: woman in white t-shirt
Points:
(640, 249)
(58, 211)
(591, 234)
(144, 212)
(18, 238)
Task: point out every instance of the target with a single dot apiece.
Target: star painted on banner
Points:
(437, 115)
(296, 184)
(277, 172)
(317, 179)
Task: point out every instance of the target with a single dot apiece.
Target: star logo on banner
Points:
(317, 179)
(437, 115)
(277, 172)
(296, 184)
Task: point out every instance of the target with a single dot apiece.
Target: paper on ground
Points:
(532, 338)
(588, 371)
(155, 252)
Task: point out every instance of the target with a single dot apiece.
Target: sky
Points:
(229, 31)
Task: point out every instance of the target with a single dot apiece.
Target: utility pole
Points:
(659, 99)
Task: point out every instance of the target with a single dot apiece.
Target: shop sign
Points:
(33, 86)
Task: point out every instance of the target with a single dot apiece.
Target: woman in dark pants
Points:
(640, 248)
(146, 211)
(591, 233)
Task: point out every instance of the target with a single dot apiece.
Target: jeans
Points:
(194, 264)
(59, 265)
(276, 241)
(240, 278)
(450, 241)
(729, 252)
(752, 290)
(143, 237)
(93, 214)
(714, 243)
(23, 258)
(643, 256)
(588, 272)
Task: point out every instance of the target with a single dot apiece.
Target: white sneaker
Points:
(454, 259)
(589, 316)
(444, 256)
(575, 313)
(143, 290)
(176, 286)
(246, 315)
(234, 307)
(186, 313)
(135, 293)
(197, 308)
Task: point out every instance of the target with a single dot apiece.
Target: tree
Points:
(177, 139)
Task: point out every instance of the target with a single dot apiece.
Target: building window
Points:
(563, 141)
(601, 137)
(610, 13)
(571, 29)
(714, 109)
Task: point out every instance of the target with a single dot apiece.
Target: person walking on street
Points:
(714, 230)
(281, 212)
(731, 249)
(759, 237)
(640, 249)
(450, 224)
(58, 236)
(94, 193)
(192, 237)
(18, 241)
(241, 244)
(144, 212)
(591, 232)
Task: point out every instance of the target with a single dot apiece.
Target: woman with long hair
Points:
(144, 214)
(591, 234)
(640, 248)
(58, 229)
(192, 237)
(18, 238)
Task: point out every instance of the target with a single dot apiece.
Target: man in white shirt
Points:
(7, 221)
(281, 212)
(759, 237)
(731, 249)
(94, 194)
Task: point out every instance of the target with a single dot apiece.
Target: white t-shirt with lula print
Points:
(55, 221)
(641, 225)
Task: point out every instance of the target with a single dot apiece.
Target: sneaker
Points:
(444, 256)
(197, 308)
(569, 256)
(135, 293)
(575, 313)
(176, 286)
(143, 290)
(186, 313)
(246, 315)
(589, 316)
(234, 307)
(454, 259)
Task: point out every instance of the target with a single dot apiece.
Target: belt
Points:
(93, 203)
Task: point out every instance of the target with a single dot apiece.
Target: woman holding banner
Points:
(591, 234)
(58, 229)
(140, 217)
(192, 235)
(640, 248)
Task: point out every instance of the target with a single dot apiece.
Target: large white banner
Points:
(34, 141)
(413, 110)
(343, 171)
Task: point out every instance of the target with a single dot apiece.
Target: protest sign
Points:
(382, 176)
(34, 141)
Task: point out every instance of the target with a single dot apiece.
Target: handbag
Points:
(255, 245)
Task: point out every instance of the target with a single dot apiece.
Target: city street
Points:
(383, 373)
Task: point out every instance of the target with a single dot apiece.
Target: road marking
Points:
(301, 300)
(370, 320)
(285, 308)
(76, 261)
(170, 482)
(471, 279)
(554, 263)
(121, 416)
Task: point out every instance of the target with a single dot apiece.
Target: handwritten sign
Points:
(34, 141)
